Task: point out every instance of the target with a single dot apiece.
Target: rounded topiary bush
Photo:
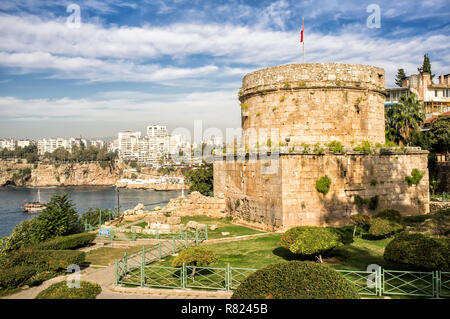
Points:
(383, 228)
(289, 236)
(419, 252)
(389, 214)
(311, 240)
(60, 290)
(296, 280)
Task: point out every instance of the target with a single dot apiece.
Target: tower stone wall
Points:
(308, 104)
(320, 102)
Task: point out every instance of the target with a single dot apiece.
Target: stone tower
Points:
(319, 102)
(309, 106)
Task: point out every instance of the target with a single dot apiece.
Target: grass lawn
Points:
(223, 225)
(106, 255)
(262, 251)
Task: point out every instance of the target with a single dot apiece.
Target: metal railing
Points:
(187, 276)
(432, 284)
(130, 269)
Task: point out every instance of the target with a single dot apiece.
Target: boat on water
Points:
(34, 207)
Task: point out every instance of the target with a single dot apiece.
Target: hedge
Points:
(16, 276)
(296, 280)
(383, 228)
(389, 214)
(43, 259)
(419, 252)
(67, 242)
(60, 290)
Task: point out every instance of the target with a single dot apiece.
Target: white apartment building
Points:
(97, 143)
(129, 145)
(24, 143)
(146, 150)
(49, 145)
(9, 144)
(157, 131)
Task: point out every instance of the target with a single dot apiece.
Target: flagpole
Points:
(303, 38)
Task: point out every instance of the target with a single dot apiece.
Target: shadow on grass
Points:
(287, 255)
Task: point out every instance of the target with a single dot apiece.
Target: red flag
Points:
(303, 26)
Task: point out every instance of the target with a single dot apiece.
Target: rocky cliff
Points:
(70, 174)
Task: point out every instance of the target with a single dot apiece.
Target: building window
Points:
(435, 93)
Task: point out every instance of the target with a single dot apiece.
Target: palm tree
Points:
(404, 118)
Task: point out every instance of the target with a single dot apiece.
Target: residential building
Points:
(435, 97)
(9, 144)
(129, 145)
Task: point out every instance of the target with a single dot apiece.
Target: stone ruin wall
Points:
(311, 103)
(289, 197)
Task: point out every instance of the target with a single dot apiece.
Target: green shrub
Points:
(345, 234)
(383, 228)
(311, 240)
(323, 184)
(318, 150)
(360, 202)
(43, 260)
(361, 220)
(419, 252)
(296, 280)
(195, 256)
(67, 242)
(415, 177)
(389, 214)
(289, 236)
(365, 147)
(373, 202)
(16, 276)
(60, 290)
(336, 147)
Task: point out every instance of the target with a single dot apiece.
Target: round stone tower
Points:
(316, 103)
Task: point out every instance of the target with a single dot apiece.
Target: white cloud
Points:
(134, 54)
(119, 110)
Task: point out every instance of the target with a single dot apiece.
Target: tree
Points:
(201, 179)
(195, 256)
(24, 234)
(401, 75)
(403, 119)
(426, 66)
(59, 218)
(310, 241)
(437, 138)
(439, 134)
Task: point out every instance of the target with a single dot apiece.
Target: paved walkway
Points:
(105, 278)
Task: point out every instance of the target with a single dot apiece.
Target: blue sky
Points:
(135, 63)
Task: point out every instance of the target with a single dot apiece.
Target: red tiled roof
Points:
(431, 119)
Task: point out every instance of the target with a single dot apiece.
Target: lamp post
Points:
(287, 139)
(118, 201)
